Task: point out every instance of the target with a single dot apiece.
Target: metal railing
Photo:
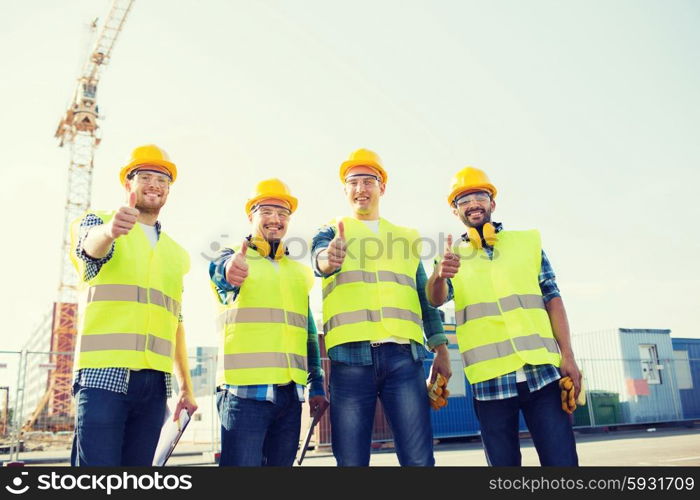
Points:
(37, 413)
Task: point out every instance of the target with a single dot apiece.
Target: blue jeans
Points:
(399, 381)
(549, 426)
(259, 433)
(114, 429)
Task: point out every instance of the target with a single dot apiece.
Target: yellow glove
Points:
(438, 393)
(568, 402)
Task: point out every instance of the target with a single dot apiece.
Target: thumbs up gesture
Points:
(237, 267)
(124, 219)
(336, 249)
(449, 266)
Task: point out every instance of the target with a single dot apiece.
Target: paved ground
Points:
(662, 446)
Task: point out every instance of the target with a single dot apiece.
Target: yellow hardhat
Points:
(470, 179)
(271, 188)
(150, 155)
(363, 157)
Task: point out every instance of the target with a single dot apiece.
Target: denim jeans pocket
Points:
(221, 399)
(406, 348)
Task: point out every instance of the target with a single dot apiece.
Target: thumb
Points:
(449, 244)
(341, 230)
(132, 200)
(244, 248)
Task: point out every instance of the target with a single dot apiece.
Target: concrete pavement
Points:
(661, 446)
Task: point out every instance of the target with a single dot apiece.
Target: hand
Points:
(124, 219)
(441, 364)
(568, 401)
(438, 393)
(318, 404)
(336, 249)
(185, 400)
(569, 368)
(237, 267)
(449, 266)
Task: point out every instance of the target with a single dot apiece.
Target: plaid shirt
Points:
(267, 392)
(360, 353)
(261, 392)
(536, 376)
(110, 379)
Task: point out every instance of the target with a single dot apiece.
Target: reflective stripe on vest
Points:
(348, 318)
(500, 349)
(368, 277)
(483, 309)
(262, 315)
(264, 360)
(133, 293)
(126, 342)
(526, 301)
(401, 279)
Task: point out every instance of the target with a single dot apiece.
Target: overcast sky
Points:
(584, 114)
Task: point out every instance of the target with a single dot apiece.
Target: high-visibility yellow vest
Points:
(374, 296)
(263, 332)
(129, 312)
(502, 323)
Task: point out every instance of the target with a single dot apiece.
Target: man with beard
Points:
(374, 313)
(512, 328)
(131, 334)
(269, 347)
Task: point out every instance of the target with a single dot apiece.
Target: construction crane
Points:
(78, 128)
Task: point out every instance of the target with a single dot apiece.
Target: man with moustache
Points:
(269, 347)
(512, 328)
(131, 334)
(374, 313)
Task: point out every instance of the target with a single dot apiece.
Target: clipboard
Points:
(170, 434)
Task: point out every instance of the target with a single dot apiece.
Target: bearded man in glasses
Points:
(269, 347)
(512, 329)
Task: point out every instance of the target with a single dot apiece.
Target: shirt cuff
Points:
(550, 296)
(219, 275)
(89, 259)
(217, 272)
(450, 291)
(316, 388)
(436, 340)
(549, 290)
(314, 262)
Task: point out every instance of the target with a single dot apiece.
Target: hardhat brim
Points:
(293, 202)
(126, 170)
(347, 165)
(479, 187)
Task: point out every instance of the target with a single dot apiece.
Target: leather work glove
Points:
(568, 402)
(438, 393)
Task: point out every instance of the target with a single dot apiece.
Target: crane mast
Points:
(79, 128)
